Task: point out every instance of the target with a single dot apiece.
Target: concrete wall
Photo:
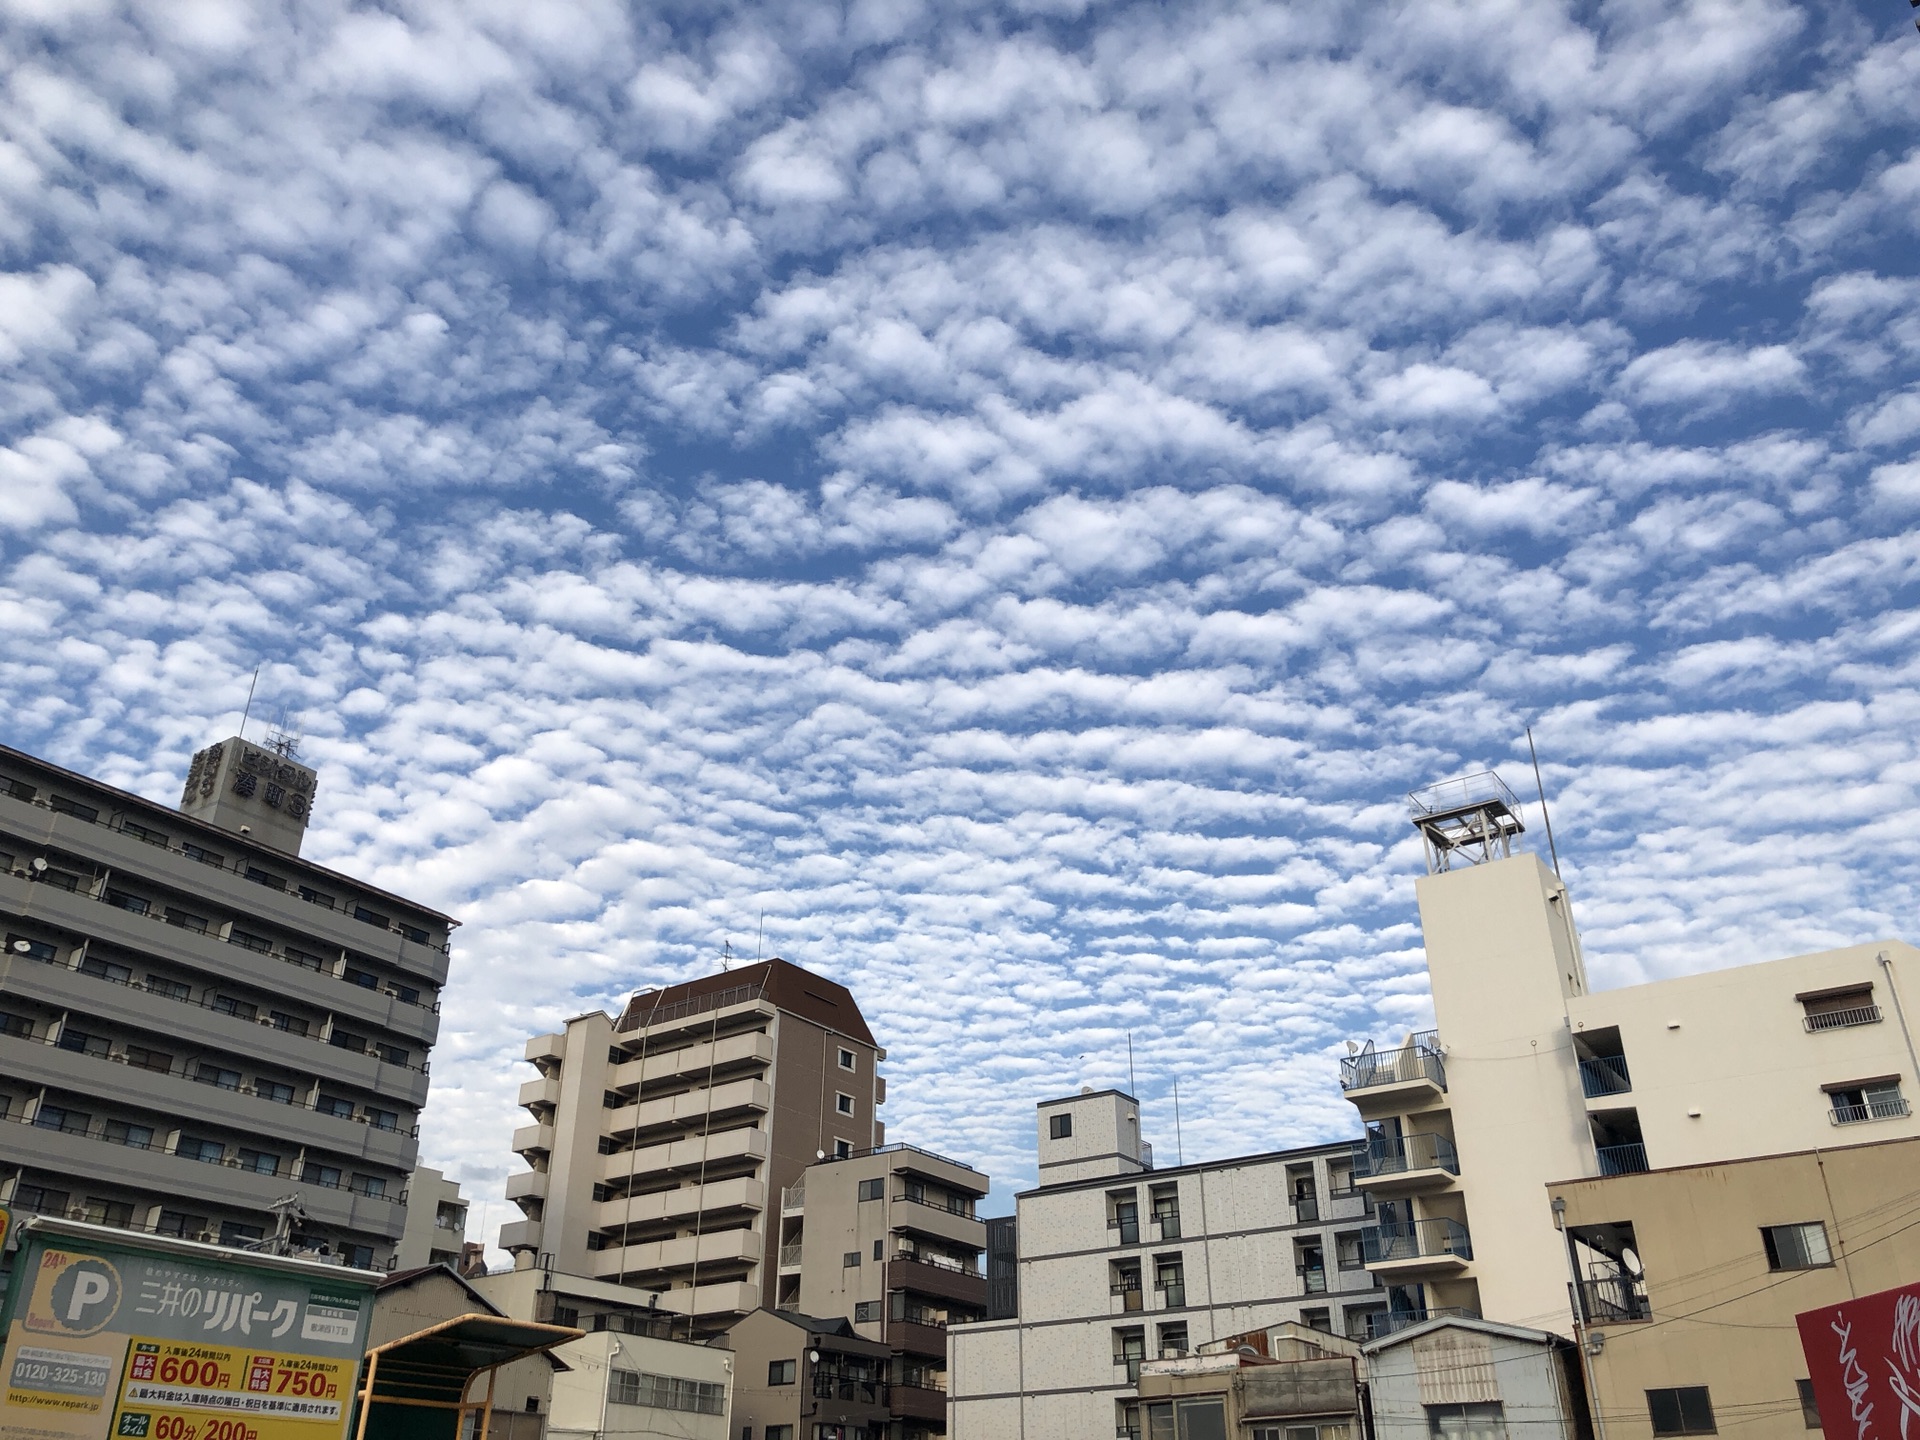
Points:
(581, 1408)
(1527, 1380)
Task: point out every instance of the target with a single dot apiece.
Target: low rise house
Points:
(803, 1377)
(1288, 1383)
(1455, 1378)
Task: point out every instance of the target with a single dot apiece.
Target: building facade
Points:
(1531, 1077)
(805, 1377)
(889, 1239)
(196, 1025)
(1120, 1264)
(1690, 1278)
(1284, 1387)
(660, 1141)
(436, 1229)
(411, 1300)
(1463, 1379)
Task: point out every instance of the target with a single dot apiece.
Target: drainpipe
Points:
(606, 1391)
(1579, 1323)
(1900, 1013)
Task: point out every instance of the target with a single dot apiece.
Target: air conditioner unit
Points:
(1172, 1352)
(208, 1237)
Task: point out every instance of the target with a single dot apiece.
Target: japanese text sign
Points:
(1864, 1359)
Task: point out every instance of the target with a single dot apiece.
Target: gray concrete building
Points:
(1120, 1263)
(659, 1141)
(196, 1025)
(436, 1229)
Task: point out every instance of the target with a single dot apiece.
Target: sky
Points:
(996, 503)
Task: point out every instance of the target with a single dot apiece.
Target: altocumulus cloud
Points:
(1012, 494)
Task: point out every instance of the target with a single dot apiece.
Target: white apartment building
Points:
(659, 1141)
(436, 1227)
(1119, 1263)
(1530, 1077)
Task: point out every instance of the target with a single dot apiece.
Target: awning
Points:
(417, 1387)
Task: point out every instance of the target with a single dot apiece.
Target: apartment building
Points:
(660, 1140)
(807, 1377)
(889, 1238)
(1119, 1263)
(201, 1033)
(1690, 1278)
(1531, 1077)
(436, 1228)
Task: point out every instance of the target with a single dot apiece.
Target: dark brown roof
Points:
(794, 990)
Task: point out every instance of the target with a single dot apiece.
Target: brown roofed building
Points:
(660, 1141)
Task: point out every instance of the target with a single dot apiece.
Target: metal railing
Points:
(940, 1262)
(1444, 797)
(794, 1197)
(789, 1255)
(1891, 1107)
(1605, 1075)
(1382, 1323)
(949, 1205)
(1842, 1019)
(1418, 1059)
(697, 1005)
(1389, 1155)
(1628, 1159)
(1415, 1240)
(1613, 1299)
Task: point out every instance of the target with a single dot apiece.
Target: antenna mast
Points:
(1540, 785)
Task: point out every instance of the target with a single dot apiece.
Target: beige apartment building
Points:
(1531, 1077)
(201, 1032)
(1691, 1277)
(660, 1142)
(889, 1239)
(436, 1228)
(1119, 1263)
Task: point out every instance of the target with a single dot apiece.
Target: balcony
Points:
(1613, 1300)
(669, 1112)
(790, 1256)
(721, 1058)
(1382, 1323)
(520, 1235)
(919, 1402)
(1398, 1165)
(527, 1185)
(533, 1140)
(1622, 1159)
(1604, 1075)
(1876, 1107)
(793, 1199)
(743, 1193)
(1841, 1019)
(1379, 1080)
(1417, 1248)
(942, 1282)
(684, 1254)
(923, 1337)
(538, 1095)
(728, 1148)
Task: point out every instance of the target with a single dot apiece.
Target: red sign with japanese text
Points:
(1864, 1358)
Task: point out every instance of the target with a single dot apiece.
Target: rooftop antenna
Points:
(1179, 1149)
(1133, 1085)
(726, 954)
(1540, 785)
(249, 710)
(760, 942)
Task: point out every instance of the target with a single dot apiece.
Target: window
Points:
(58, 1117)
(1173, 1337)
(141, 832)
(208, 1073)
(1838, 1009)
(121, 900)
(233, 1233)
(292, 1024)
(847, 1059)
(259, 1162)
(365, 979)
(169, 989)
(779, 1432)
(202, 854)
(1796, 1247)
(209, 1152)
(64, 806)
(414, 933)
(314, 897)
(1687, 1410)
(1859, 1100)
(1467, 1422)
(18, 1026)
(1166, 1211)
(374, 1187)
(82, 1043)
(40, 1200)
(358, 1256)
(1170, 1279)
(382, 1119)
(261, 877)
(878, 1249)
(106, 970)
(850, 1259)
(1317, 1320)
(866, 1312)
(780, 1372)
(1809, 1405)
(140, 1057)
(1328, 1430)
(239, 1009)
(347, 1040)
(1123, 1215)
(1123, 1282)
(32, 949)
(259, 944)
(304, 960)
(117, 1213)
(1059, 1127)
(842, 1149)
(842, 1103)
(180, 1225)
(406, 994)
(872, 1189)
(370, 917)
(394, 1054)
(1129, 1349)
(186, 921)
(317, 1174)
(125, 1132)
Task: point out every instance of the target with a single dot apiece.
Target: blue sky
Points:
(1015, 494)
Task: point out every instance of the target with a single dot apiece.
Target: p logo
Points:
(81, 1299)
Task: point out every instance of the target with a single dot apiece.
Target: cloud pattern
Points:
(996, 502)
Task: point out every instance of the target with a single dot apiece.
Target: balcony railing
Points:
(789, 1256)
(1622, 1159)
(1173, 1293)
(1891, 1107)
(1842, 1019)
(1605, 1075)
(1381, 1323)
(859, 1392)
(1613, 1300)
(1418, 1059)
(1414, 1240)
(658, 1014)
(1387, 1155)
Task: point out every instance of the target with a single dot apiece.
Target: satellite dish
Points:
(819, 1154)
(21, 947)
(39, 863)
(813, 1357)
(1353, 1047)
